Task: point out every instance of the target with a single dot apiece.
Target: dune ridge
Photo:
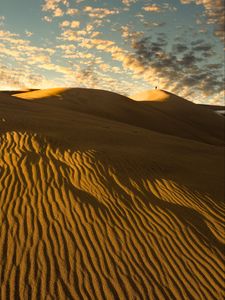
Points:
(175, 116)
(83, 220)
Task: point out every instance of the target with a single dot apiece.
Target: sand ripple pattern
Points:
(76, 227)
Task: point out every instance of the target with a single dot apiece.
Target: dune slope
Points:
(175, 116)
(98, 208)
(182, 110)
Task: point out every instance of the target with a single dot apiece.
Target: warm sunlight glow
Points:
(112, 150)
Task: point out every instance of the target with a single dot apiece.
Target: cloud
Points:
(152, 24)
(57, 68)
(87, 76)
(47, 19)
(85, 37)
(128, 33)
(165, 7)
(58, 12)
(129, 2)
(67, 48)
(75, 24)
(123, 59)
(99, 12)
(64, 24)
(28, 33)
(39, 59)
(151, 8)
(180, 68)
(7, 34)
(72, 11)
(214, 10)
(23, 52)
(81, 55)
(91, 76)
(2, 20)
(71, 35)
(70, 51)
(21, 78)
(177, 71)
(53, 4)
(104, 67)
(179, 48)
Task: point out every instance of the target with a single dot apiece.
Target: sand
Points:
(104, 197)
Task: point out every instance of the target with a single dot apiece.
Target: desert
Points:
(108, 197)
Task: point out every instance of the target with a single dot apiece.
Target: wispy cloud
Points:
(28, 33)
(28, 58)
(2, 20)
(22, 78)
(47, 19)
(159, 7)
(153, 8)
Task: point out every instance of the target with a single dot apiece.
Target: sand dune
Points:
(220, 110)
(184, 111)
(177, 116)
(102, 197)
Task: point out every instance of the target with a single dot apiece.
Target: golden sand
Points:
(102, 197)
(152, 95)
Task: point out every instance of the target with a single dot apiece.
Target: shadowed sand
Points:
(102, 197)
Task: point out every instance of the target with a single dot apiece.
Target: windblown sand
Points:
(103, 197)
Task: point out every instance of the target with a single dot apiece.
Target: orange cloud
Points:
(58, 12)
(64, 24)
(75, 24)
(153, 7)
(71, 11)
(99, 12)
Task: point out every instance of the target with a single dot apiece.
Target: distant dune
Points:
(218, 109)
(104, 197)
(11, 92)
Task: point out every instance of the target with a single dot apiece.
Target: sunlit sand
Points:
(104, 197)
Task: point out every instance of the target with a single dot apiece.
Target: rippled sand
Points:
(97, 203)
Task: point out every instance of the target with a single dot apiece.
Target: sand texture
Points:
(104, 197)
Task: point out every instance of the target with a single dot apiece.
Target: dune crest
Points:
(152, 95)
(96, 205)
(40, 94)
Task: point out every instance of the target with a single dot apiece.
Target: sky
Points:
(125, 46)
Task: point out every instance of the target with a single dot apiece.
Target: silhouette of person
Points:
(156, 87)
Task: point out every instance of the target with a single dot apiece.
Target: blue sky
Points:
(123, 45)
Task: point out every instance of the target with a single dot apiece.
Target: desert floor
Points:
(104, 197)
